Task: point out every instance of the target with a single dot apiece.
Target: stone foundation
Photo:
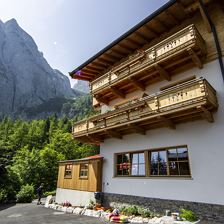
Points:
(209, 212)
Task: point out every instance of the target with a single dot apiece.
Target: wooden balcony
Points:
(188, 101)
(179, 52)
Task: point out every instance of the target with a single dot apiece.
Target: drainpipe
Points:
(216, 39)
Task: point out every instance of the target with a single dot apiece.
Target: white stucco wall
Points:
(75, 197)
(206, 153)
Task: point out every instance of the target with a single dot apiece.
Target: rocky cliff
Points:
(82, 86)
(26, 79)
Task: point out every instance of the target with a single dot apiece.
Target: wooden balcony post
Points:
(197, 61)
(163, 73)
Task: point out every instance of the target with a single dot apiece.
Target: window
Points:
(178, 161)
(130, 164)
(83, 171)
(172, 161)
(138, 164)
(158, 165)
(123, 165)
(68, 171)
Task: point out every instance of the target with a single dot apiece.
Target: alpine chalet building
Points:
(159, 90)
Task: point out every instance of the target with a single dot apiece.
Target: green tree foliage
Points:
(30, 151)
(26, 194)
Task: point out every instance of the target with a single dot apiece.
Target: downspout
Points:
(216, 39)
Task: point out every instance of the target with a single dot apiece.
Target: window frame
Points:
(130, 163)
(66, 176)
(80, 169)
(147, 157)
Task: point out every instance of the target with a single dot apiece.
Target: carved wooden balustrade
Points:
(160, 59)
(184, 102)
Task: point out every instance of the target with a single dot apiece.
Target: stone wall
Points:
(209, 212)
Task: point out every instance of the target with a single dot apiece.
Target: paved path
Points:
(37, 214)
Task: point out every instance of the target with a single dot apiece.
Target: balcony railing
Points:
(183, 102)
(182, 41)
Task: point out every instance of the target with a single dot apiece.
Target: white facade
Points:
(205, 143)
(75, 197)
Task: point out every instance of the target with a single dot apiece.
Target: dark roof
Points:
(95, 157)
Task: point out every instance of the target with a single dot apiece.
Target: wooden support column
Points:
(113, 134)
(206, 114)
(117, 92)
(147, 163)
(197, 61)
(137, 84)
(163, 73)
(137, 129)
(167, 122)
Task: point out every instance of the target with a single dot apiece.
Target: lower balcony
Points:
(191, 100)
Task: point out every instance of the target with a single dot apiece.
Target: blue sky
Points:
(69, 32)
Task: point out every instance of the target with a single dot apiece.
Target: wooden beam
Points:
(125, 48)
(205, 19)
(95, 138)
(206, 114)
(128, 47)
(112, 57)
(86, 70)
(99, 64)
(118, 53)
(197, 61)
(151, 31)
(113, 134)
(117, 92)
(101, 100)
(88, 74)
(93, 68)
(142, 38)
(133, 42)
(137, 84)
(83, 140)
(167, 122)
(81, 78)
(107, 61)
(161, 24)
(172, 17)
(181, 8)
(163, 73)
(137, 129)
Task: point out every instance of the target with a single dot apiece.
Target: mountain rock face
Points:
(81, 86)
(26, 79)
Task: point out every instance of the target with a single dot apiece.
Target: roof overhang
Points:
(140, 36)
(96, 157)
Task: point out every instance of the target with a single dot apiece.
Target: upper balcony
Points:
(180, 51)
(184, 102)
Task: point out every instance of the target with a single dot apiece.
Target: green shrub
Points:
(188, 215)
(3, 195)
(145, 213)
(132, 210)
(26, 194)
(47, 193)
